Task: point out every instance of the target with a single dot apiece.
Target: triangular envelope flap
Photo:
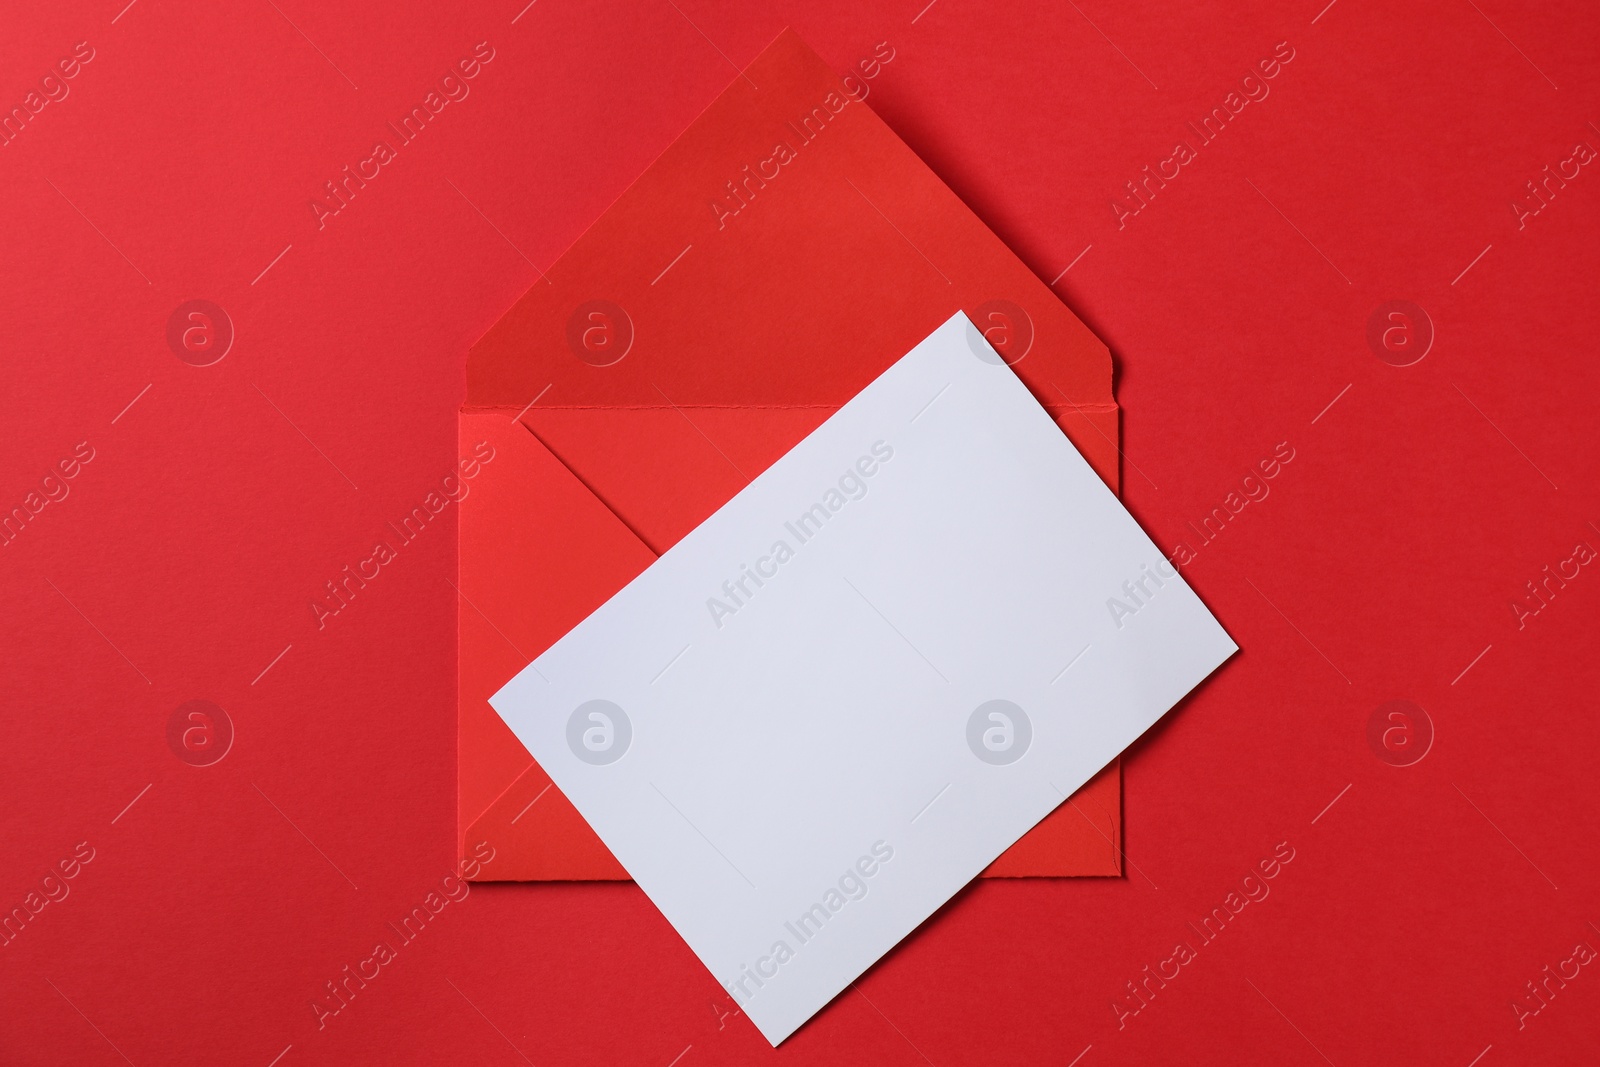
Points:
(538, 554)
(785, 250)
(663, 470)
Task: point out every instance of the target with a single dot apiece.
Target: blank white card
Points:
(830, 706)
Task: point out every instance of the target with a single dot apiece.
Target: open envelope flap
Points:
(726, 278)
(779, 255)
(768, 266)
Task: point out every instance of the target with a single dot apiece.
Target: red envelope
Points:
(780, 255)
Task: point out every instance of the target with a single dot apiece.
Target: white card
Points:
(831, 705)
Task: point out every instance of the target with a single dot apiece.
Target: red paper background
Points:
(1383, 564)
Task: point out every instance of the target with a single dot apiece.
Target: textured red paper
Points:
(1388, 552)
